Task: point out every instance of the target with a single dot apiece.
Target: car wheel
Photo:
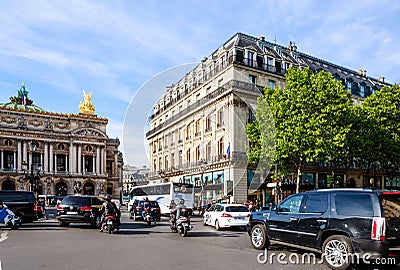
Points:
(97, 222)
(204, 222)
(258, 237)
(217, 227)
(336, 250)
(64, 224)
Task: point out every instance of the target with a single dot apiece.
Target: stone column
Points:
(83, 164)
(79, 158)
(55, 163)
(24, 152)
(46, 158)
(94, 163)
(71, 158)
(19, 156)
(103, 159)
(98, 160)
(51, 155)
(2, 160)
(15, 161)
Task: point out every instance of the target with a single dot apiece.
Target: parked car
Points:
(80, 209)
(137, 208)
(334, 222)
(226, 215)
(22, 203)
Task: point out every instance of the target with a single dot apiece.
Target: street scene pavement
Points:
(45, 245)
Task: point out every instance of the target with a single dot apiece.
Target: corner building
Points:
(67, 153)
(197, 129)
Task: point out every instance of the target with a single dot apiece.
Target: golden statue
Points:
(86, 106)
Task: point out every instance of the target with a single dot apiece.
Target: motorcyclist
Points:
(3, 212)
(179, 208)
(109, 208)
(146, 205)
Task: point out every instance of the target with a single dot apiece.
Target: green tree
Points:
(312, 120)
(383, 110)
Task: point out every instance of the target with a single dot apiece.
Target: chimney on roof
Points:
(381, 79)
(362, 72)
(292, 46)
(262, 38)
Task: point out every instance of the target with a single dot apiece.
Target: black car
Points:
(22, 203)
(80, 209)
(137, 207)
(334, 222)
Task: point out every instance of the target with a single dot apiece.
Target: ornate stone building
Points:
(197, 129)
(57, 153)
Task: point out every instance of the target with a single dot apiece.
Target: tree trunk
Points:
(298, 175)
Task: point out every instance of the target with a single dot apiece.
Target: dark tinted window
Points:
(76, 200)
(350, 204)
(97, 201)
(236, 209)
(316, 203)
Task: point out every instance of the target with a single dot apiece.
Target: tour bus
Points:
(163, 193)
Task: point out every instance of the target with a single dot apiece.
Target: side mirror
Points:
(274, 208)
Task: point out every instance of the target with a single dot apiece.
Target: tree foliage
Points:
(312, 118)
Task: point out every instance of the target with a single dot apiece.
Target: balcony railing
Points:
(204, 163)
(232, 84)
(233, 59)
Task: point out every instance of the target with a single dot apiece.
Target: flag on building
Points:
(228, 150)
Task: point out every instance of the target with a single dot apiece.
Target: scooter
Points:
(11, 220)
(149, 216)
(110, 224)
(182, 224)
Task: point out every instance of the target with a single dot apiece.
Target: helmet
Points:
(182, 201)
(107, 197)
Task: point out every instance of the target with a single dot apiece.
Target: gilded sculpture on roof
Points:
(87, 106)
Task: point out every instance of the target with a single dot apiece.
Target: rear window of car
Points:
(350, 204)
(236, 209)
(391, 204)
(76, 200)
(17, 197)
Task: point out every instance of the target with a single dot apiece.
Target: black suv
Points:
(80, 209)
(22, 203)
(334, 222)
(137, 207)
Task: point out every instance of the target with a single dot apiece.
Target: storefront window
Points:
(218, 177)
(392, 182)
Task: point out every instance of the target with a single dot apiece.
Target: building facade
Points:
(134, 176)
(197, 129)
(55, 153)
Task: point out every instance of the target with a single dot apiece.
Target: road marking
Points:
(3, 237)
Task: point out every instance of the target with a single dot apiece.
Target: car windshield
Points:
(76, 200)
(236, 208)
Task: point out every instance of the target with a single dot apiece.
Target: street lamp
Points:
(29, 170)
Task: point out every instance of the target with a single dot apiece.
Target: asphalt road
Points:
(44, 245)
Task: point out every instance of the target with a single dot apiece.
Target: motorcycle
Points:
(182, 224)
(110, 224)
(149, 216)
(11, 220)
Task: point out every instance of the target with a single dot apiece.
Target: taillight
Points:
(35, 206)
(60, 207)
(378, 229)
(226, 215)
(85, 208)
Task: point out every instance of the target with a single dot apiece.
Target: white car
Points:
(226, 215)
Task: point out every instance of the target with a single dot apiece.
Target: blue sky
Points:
(112, 48)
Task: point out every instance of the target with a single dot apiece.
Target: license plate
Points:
(72, 213)
(109, 222)
(185, 224)
(238, 218)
